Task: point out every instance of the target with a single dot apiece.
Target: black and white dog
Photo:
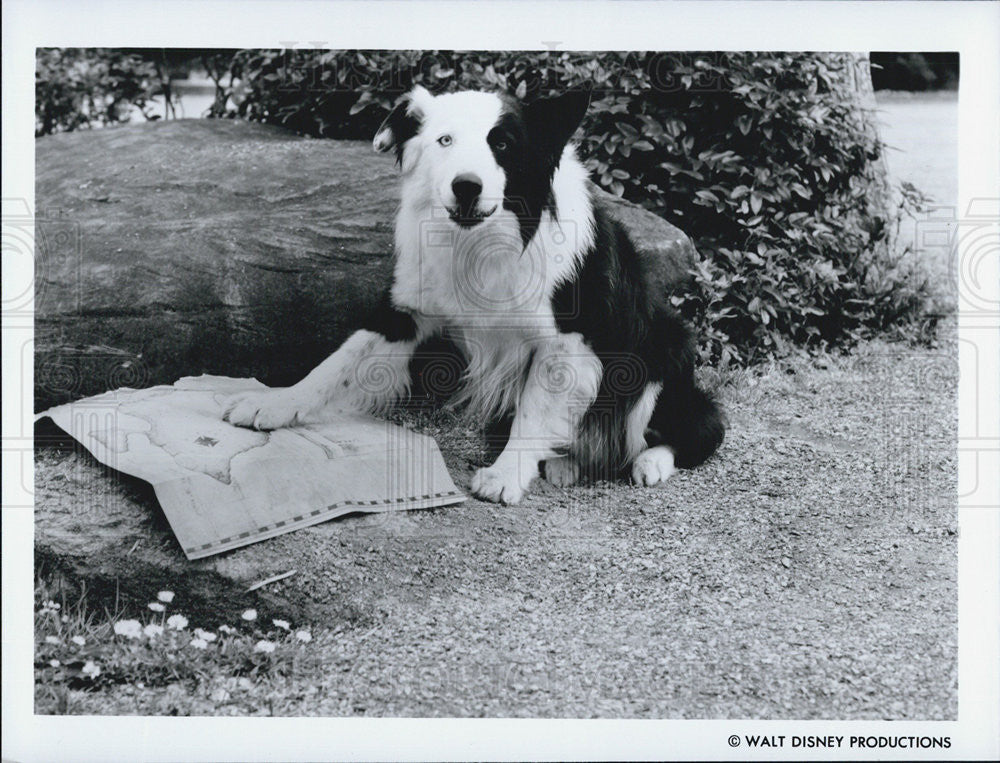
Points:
(500, 247)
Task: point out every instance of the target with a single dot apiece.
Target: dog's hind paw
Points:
(653, 466)
(270, 409)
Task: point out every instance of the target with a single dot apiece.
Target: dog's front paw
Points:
(270, 409)
(562, 472)
(653, 466)
(499, 484)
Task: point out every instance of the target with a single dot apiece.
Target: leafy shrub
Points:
(77, 87)
(769, 161)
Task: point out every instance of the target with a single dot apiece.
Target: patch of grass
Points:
(81, 652)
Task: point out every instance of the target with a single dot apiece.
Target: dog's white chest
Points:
(482, 277)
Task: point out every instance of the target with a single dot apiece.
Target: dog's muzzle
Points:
(467, 212)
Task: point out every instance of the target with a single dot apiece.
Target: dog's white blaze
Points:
(466, 118)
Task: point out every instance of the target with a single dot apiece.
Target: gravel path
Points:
(807, 571)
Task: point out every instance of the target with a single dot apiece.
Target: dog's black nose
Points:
(466, 188)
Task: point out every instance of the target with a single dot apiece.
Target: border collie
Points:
(500, 247)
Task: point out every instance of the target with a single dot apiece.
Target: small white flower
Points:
(264, 646)
(157, 607)
(51, 605)
(283, 624)
(204, 635)
(177, 622)
(79, 640)
(226, 629)
(54, 663)
(153, 630)
(305, 636)
(65, 618)
(250, 614)
(199, 643)
(91, 669)
(165, 596)
(128, 628)
(53, 640)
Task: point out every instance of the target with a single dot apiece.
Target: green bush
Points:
(78, 87)
(767, 160)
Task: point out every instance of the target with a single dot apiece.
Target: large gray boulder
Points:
(223, 247)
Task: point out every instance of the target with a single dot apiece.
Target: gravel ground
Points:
(807, 571)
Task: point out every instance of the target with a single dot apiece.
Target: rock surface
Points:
(222, 247)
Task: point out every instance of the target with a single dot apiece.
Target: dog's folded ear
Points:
(552, 121)
(403, 122)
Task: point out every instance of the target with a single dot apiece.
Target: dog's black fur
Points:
(615, 305)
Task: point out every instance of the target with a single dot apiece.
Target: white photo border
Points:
(971, 28)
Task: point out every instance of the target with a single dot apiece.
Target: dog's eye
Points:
(445, 140)
(500, 145)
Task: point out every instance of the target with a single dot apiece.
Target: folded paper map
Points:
(223, 486)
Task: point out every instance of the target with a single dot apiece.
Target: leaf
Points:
(362, 103)
(627, 130)
(642, 145)
(755, 202)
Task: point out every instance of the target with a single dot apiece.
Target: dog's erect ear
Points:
(403, 122)
(551, 121)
